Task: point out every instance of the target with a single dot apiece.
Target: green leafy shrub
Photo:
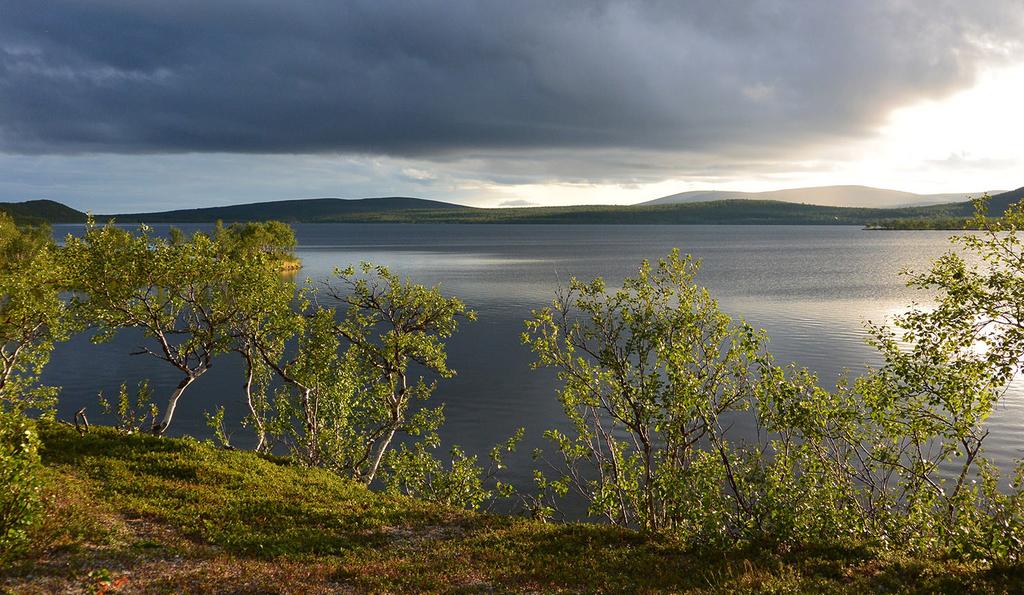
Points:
(415, 471)
(20, 481)
(215, 421)
(650, 374)
(132, 412)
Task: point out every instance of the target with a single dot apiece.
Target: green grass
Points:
(177, 515)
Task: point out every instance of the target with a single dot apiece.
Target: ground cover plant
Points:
(136, 513)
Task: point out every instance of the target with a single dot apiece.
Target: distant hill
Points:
(946, 216)
(41, 211)
(833, 196)
(414, 210)
(735, 212)
(290, 211)
(999, 202)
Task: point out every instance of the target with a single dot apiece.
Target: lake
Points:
(811, 288)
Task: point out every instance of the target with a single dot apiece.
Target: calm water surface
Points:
(811, 288)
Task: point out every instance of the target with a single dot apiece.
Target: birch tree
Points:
(32, 315)
(183, 293)
(269, 314)
(649, 374)
(350, 388)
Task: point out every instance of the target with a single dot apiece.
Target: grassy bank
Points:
(150, 514)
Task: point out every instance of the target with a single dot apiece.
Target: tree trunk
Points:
(653, 522)
(257, 420)
(160, 428)
(380, 456)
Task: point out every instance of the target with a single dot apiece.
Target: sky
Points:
(131, 105)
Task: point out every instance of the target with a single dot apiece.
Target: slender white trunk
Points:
(379, 456)
(397, 402)
(160, 428)
(257, 418)
(10, 361)
(312, 428)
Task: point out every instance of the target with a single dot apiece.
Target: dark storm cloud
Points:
(433, 78)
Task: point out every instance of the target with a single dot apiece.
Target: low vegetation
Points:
(884, 476)
(21, 477)
(138, 513)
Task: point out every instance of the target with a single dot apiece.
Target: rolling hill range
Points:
(831, 196)
(290, 211)
(414, 210)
